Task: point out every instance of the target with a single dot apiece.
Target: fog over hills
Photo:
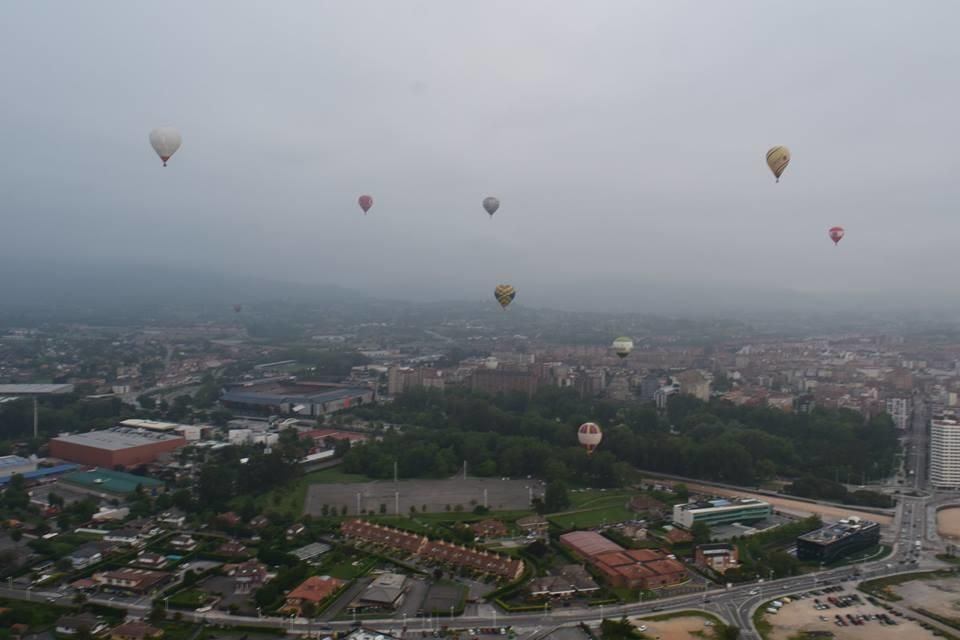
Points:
(71, 290)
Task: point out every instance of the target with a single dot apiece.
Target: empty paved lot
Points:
(436, 495)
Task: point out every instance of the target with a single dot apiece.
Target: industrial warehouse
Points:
(288, 397)
(112, 447)
(838, 540)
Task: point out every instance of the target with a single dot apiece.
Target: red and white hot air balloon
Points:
(589, 435)
(365, 202)
(836, 234)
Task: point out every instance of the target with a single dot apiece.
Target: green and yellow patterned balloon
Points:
(504, 294)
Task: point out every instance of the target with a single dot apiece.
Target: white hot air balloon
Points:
(622, 346)
(165, 141)
(589, 435)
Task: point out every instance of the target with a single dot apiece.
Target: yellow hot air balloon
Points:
(777, 159)
(504, 294)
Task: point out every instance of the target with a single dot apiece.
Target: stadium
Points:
(288, 397)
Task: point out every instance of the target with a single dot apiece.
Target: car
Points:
(642, 628)
(754, 592)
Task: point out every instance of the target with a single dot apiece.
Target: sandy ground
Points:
(948, 522)
(686, 628)
(796, 507)
(800, 616)
(941, 597)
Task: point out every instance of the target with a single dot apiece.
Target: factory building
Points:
(288, 397)
(112, 447)
(838, 540)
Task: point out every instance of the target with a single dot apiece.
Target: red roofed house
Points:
(314, 589)
(489, 529)
(443, 552)
(676, 535)
(135, 631)
(634, 568)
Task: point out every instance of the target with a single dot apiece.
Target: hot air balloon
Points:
(491, 204)
(589, 435)
(237, 308)
(504, 294)
(165, 141)
(777, 159)
(622, 346)
(836, 234)
(365, 202)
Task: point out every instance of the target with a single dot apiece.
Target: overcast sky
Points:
(625, 139)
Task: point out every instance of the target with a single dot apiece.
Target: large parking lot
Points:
(847, 615)
(423, 495)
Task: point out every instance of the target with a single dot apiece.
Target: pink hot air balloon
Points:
(836, 234)
(365, 202)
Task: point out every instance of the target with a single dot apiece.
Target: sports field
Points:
(431, 496)
(116, 482)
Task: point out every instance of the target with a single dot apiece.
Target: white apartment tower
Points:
(945, 453)
(899, 410)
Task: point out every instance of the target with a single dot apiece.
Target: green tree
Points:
(700, 532)
(728, 632)
(555, 497)
(681, 491)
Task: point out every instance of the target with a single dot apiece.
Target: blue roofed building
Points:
(10, 465)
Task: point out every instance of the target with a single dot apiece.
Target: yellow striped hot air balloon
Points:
(777, 159)
(504, 294)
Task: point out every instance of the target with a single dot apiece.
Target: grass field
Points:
(291, 498)
(349, 569)
(594, 508)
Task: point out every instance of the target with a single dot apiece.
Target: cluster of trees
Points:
(810, 487)
(763, 553)
(67, 412)
(513, 435)
(223, 478)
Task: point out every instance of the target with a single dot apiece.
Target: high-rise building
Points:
(899, 410)
(501, 380)
(945, 453)
(695, 384)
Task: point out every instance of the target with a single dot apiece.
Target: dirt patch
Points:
(800, 616)
(795, 507)
(941, 597)
(685, 628)
(948, 522)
